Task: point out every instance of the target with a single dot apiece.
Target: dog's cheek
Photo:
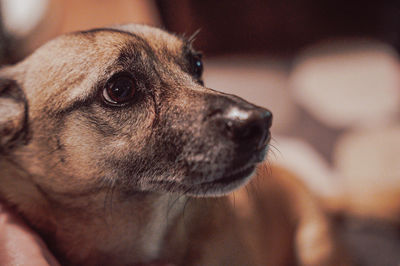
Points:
(80, 153)
(102, 144)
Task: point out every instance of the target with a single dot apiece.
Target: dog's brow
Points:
(107, 30)
(138, 38)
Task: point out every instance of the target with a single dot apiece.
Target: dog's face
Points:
(127, 107)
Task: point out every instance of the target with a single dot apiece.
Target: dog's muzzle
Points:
(243, 130)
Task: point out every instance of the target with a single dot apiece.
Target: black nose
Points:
(249, 126)
(252, 128)
(246, 126)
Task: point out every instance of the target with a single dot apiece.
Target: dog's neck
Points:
(130, 227)
(127, 230)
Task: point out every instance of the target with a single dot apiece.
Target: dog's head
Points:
(127, 106)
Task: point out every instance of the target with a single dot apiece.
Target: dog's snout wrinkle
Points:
(212, 113)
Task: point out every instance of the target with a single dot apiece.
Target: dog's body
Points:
(109, 142)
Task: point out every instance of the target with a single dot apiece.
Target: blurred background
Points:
(328, 70)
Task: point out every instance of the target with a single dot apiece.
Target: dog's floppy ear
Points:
(13, 114)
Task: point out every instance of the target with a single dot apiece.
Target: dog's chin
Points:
(231, 179)
(229, 182)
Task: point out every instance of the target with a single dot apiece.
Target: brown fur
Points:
(108, 185)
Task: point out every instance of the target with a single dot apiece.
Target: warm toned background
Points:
(329, 71)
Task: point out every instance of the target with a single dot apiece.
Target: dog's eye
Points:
(197, 66)
(119, 90)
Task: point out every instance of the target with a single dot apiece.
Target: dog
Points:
(115, 152)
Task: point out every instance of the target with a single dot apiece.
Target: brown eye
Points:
(119, 90)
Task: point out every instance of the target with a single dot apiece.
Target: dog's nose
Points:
(245, 126)
(248, 126)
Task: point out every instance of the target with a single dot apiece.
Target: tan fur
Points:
(61, 174)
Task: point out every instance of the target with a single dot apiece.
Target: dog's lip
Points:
(228, 177)
(227, 183)
(213, 188)
(237, 175)
(234, 175)
(220, 185)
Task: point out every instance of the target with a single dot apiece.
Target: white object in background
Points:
(303, 160)
(351, 83)
(369, 163)
(20, 17)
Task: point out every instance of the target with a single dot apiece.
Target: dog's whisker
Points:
(188, 200)
(268, 168)
(173, 203)
(234, 200)
(192, 37)
(247, 191)
(108, 198)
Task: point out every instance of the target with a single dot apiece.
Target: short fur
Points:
(120, 185)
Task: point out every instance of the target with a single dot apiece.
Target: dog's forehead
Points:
(156, 38)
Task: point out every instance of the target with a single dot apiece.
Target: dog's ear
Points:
(13, 114)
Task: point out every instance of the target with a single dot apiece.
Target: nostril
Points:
(250, 132)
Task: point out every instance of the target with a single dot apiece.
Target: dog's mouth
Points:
(235, 175)
(208, 179)
(227, 182)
